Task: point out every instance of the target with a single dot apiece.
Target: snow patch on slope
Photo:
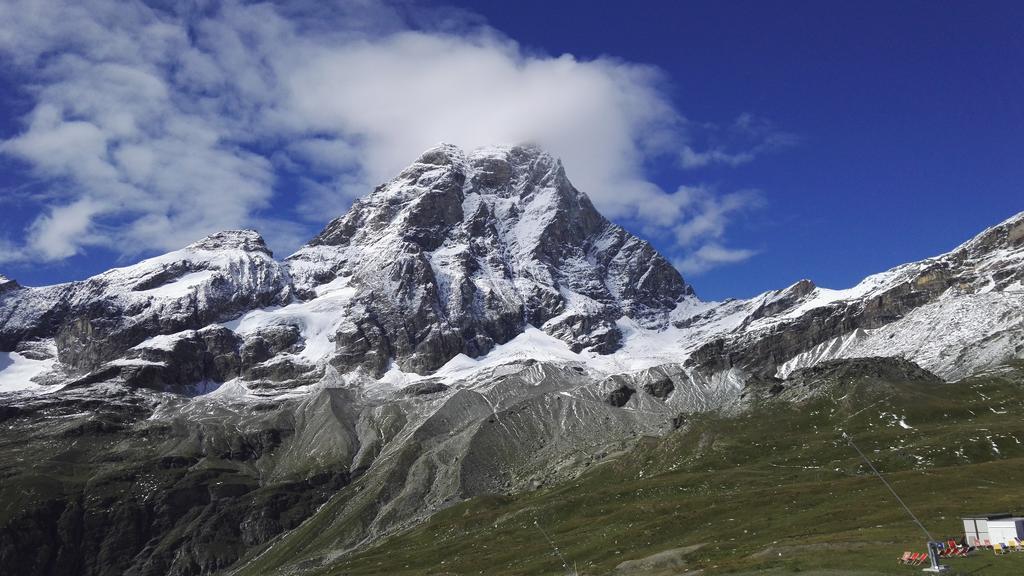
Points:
(317, 319)
(642, 348)
(163, 342)
(17, 372)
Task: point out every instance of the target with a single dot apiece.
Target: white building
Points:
(1003, 530)
(976, 528)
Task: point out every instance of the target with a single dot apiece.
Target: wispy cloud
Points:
(710, 256)
(700, 233)
(156, 126)
(741, 142)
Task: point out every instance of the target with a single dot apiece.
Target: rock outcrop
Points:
(7, 285)
(97, 320)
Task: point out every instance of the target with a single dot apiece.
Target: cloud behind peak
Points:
(162, 126)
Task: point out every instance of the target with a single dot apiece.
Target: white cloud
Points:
(743, 141)
(710, 256)
(402, 94)
(164, 126)
(710, 214)
(693, 159)
(702, 225)
(58, 232)
(147, 167)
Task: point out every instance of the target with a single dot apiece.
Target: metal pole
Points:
(565, 563)
(933, 552)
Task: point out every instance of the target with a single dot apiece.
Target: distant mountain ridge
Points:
(954, 314)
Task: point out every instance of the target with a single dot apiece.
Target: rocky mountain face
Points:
(954, 314)
(461, 251)
(96, 321)
(472, 327)
(6, 284)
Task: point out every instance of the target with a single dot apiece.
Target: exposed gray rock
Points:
(620, 396)
(97, 320)
(188, 363)
(284, 371)
(666, 563)
(269, 341)
(461, 251)
(7, 285)
(988, 264)
(424, 388)
(36, 349)
(660, 388)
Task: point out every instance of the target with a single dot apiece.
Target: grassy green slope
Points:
(775, 489)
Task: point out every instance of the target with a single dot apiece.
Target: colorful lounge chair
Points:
(958, 550)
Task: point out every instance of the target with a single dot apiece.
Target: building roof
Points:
(997, 516)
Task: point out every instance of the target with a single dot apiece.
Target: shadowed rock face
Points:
(620, 396)
(854, 380)
(461, 251)
(174, 494)
(424, 388)
(881, 369)
(660, 388)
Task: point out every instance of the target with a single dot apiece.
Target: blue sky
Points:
(754, 143)
(910, 117)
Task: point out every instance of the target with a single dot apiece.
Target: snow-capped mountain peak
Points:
(231, 240)
(461, 251)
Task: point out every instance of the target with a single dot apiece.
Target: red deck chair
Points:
(956, 549)
(905, 559)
